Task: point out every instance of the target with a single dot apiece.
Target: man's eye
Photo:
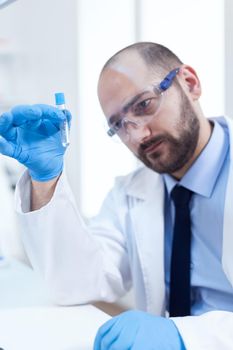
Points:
(145, 103)
(118, 124)
(143, 107)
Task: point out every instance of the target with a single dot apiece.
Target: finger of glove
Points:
(102, 331)
(125, 339)
(65, 114)
(43, 127)
(47, 128)
(33, 125)
(6, 148)
(55, 115)
(7, 130)
(27, 114)
(112, 334)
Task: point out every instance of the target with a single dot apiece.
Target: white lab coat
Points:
(10, 242)
(123, 246)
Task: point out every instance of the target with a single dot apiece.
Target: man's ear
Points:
(190, 81)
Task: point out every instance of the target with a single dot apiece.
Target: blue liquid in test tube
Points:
(60, 104)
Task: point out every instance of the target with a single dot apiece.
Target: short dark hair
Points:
(156, 56)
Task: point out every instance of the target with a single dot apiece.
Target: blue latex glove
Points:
(31, 134)
(138, 330)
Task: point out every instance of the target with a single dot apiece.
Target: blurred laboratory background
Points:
(49, 46)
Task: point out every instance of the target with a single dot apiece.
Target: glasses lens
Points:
(139, 113)
(110, 131)
(145, 107)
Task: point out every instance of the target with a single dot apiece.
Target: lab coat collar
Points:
(227, 123)
(142, 183)
(146, 211)
(227, 256)
(201, 177)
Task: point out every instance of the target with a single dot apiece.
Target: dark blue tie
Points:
(179, 304)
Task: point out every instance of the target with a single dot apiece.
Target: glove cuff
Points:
(46, 176)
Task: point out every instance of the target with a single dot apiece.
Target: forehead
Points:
(121, 81)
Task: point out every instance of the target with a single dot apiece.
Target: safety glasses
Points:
(140, 109)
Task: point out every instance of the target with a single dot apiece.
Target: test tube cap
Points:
(59, 98)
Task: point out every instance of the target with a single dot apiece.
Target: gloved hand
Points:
(31, 134)
(138, 330)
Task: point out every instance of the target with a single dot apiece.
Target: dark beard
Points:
(180, 149)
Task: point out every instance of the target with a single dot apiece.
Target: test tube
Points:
(64, 127)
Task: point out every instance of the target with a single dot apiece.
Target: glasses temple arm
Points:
(167, 81)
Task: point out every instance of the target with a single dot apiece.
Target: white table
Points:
(29, 321)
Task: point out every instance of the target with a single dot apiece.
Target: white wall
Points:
(104, 27)
(194, 30)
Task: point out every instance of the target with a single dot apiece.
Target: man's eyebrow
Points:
(126, 108)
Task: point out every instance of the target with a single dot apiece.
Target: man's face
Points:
(169, 140)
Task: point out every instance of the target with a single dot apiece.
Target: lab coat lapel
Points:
(147, 217)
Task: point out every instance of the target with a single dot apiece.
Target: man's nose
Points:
(139, 133)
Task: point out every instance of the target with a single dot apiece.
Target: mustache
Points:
(143, 146)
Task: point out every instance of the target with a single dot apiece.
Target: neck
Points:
(206, 128)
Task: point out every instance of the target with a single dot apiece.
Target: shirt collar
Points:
(202, 175)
